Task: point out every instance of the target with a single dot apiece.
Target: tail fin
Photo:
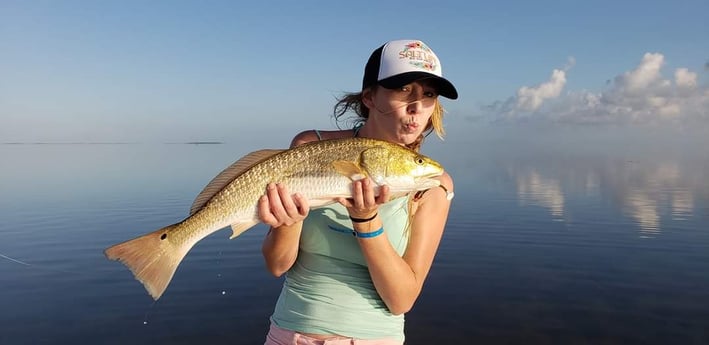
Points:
(152, 258)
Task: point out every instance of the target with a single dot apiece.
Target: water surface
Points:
(542, 247)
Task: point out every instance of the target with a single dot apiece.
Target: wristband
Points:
(363, 220)
(368, 234)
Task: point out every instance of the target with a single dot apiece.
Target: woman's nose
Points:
(414, 107)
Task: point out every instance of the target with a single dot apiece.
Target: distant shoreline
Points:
(201, 143)
(112, 143)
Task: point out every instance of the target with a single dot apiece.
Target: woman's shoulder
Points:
(315, 135)
(446, 181)
(304, 137)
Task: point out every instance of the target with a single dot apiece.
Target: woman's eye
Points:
(429, 94)
(405, 89)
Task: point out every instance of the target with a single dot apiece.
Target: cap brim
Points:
(442, 85)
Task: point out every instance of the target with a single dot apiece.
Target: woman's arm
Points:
(284, 213)
(399, 280)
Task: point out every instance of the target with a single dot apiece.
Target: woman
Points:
(355, 290)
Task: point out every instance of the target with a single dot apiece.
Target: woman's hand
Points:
(364, 203)
(277, 207)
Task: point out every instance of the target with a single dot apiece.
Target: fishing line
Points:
(147, 312)
(38, 267)
(6, 257)
(219, 275)
(14, 260)
(152, 307)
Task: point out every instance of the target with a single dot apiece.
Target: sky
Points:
(163, 71)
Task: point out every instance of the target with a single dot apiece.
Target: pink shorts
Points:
(280, 336)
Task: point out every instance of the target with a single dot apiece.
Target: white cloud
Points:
(640, 95)
(643, 76)
(685, 79)
(531, 98)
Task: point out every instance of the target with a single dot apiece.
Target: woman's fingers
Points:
(290, 210)
(364, 199)
(368, 197)
(274, 201)
(303, 207)
(383, 195)
(264, 212)
(357, 194)
(278, 207)
(363, 194)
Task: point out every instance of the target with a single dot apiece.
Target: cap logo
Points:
(419, 55)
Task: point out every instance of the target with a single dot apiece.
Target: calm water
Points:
(542, 247)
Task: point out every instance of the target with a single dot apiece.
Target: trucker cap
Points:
(400, 62)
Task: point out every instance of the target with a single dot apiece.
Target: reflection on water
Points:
(682, 204)
(643, 208)
(645, 191)
(545, 192)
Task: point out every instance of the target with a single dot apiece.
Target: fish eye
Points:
(419, 160)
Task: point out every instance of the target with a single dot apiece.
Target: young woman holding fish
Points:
(356, 289)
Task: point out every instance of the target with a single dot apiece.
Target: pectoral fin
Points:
(349, 169)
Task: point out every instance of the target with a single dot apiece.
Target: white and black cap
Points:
(401, 62)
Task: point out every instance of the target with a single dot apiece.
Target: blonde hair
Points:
(352, 102)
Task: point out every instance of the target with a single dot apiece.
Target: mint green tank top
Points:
(328, 290)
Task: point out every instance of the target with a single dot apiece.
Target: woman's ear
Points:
(367, 95)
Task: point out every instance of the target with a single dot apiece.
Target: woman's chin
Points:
(407, 138)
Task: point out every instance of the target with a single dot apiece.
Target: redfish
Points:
(321, 171)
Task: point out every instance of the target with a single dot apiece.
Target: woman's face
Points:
(401, 115)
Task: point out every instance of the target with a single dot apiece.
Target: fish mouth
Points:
(427, 183)
(429, 178)
(435, 169)
(430, 175)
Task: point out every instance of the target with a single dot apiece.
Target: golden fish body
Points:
(321, 171)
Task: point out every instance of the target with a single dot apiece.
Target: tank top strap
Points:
(356, 128)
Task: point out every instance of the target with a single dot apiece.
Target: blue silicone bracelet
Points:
(368, 234)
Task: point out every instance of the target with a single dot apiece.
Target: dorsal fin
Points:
(229, 174)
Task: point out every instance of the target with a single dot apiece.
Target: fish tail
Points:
(152, 258)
